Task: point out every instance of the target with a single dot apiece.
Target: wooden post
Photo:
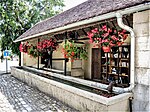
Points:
(65, 66)
(38, 57)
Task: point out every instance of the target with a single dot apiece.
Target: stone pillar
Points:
(141, 26)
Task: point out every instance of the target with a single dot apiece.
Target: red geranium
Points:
(47, 44)
(106, 36)
(24, 47)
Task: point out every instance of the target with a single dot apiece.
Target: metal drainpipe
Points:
(132, 61)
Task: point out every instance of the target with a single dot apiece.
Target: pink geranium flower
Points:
(107, 36)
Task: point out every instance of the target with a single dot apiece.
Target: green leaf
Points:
(19, 15)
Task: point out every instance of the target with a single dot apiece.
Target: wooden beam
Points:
(113, 24)
(83, 39)
(38, 64)
(84, 32)
(79, 42)
(77, 34)
(55, 36)
(126, 19)
(108, 24)
(80, 39)
(60, 36)
(100, 25)
(59, 42)
(91, 27)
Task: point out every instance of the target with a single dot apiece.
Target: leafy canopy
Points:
(17, 16)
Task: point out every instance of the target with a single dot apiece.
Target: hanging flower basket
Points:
(24, 47)
(42, 47)
(47, 44)
(106, 48)
(32, 51)
(106, 36)
(74, 51)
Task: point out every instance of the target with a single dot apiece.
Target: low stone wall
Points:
(77, 98)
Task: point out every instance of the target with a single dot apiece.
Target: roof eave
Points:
(91, 20)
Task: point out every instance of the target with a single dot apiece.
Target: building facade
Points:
(132, 74)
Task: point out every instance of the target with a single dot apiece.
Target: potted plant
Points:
(32, 51)
(74, 51)
(46, 48)
(106, 37)
(47, 44)
(29, 49)
(24, 47)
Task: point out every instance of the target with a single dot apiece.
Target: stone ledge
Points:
(85, 101)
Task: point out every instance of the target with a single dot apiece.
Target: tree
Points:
(17, 16)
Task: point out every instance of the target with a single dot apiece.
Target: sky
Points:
(71, 3)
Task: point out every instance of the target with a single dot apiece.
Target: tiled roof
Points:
(88, 9)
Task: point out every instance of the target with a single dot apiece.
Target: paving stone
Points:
(16, 96)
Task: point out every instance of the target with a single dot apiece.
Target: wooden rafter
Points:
(81, 39)
(113, 24)
(79, 42)
(126, 19)
(55, 36)
(77, 34)
(59, 42)
(84, 32)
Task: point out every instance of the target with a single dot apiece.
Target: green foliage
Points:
(83, 53)
(17, 16)
(32, 51)
(75, 51)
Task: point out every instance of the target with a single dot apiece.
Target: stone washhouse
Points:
(127, 65)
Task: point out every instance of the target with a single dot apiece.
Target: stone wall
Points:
(141, 26)
(81, 100)
(59, 65)
(87, 64)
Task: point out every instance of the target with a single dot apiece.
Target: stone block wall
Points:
(87, 63)
(141, 26)
(81, 100)
(58, 64)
